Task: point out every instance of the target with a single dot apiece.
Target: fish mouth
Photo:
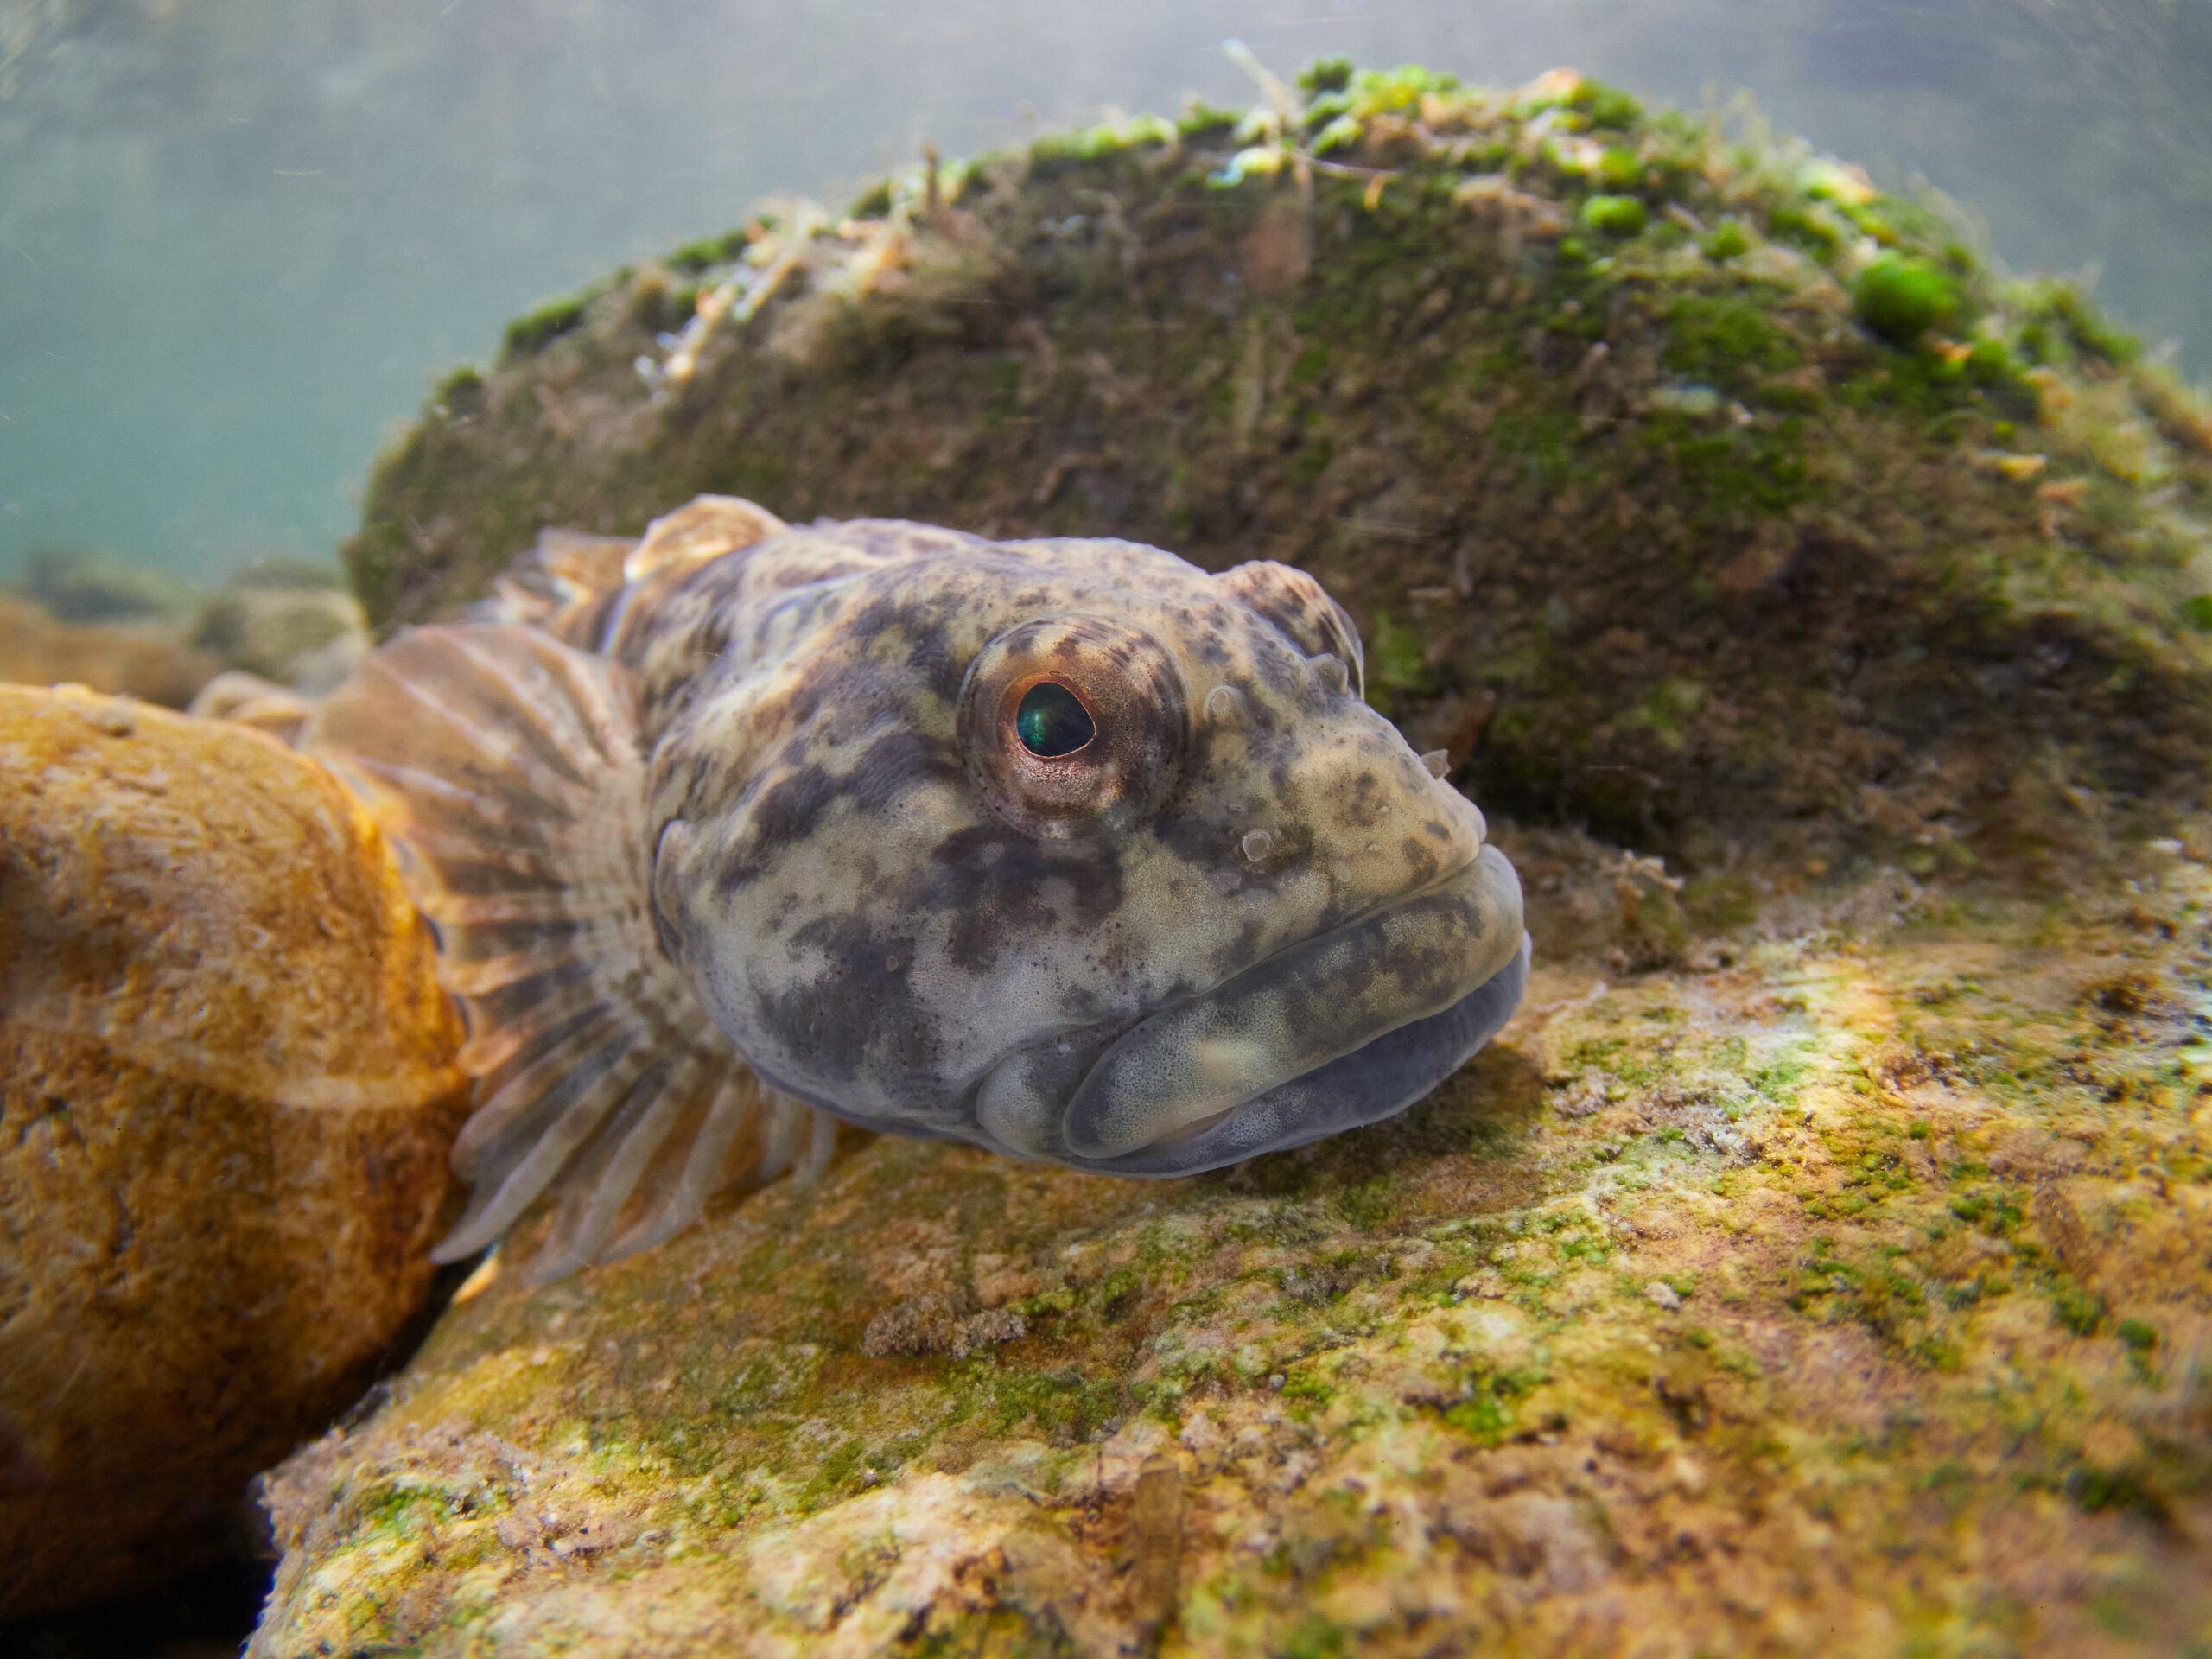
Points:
(1340, 1030)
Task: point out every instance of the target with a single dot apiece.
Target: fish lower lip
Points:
(1296, 1014)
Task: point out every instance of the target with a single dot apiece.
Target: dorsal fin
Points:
(505, 766)
(574, 585)
(560, 585)
(703, 528)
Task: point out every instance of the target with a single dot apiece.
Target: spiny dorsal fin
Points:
(703, 528)
(505, 766)
(571, 584)
(561, 585)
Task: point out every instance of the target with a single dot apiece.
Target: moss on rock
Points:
(1838, 1286)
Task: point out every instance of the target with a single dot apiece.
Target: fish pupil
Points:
(1051, 721)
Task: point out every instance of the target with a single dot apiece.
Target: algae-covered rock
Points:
(1692, 490)
(288, 621)
(227, 1090)
(1846, 1294)
(277, 620)
(83, 618)
(84, 585)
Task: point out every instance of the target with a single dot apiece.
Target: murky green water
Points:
(237, 236)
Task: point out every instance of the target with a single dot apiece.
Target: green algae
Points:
(534, 330)
(1622, 216)
(708, 252)
(1901, 298)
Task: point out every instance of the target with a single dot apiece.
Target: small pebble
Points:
(1664, 1295)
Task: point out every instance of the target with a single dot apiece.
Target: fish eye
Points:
(1052, 721)
(1073, 722)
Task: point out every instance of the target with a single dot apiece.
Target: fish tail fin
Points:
(505, 768)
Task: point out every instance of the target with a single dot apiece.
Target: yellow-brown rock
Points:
(227, 1090)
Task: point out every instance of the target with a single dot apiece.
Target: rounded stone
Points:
(227, 1090)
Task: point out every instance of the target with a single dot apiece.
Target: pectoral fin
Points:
(506, 767)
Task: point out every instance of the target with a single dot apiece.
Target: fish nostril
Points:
(1437, 761)
(1258, 844)
(1225, 706)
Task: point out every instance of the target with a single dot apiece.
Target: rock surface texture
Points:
(1841, 1291)
(1818, 1265)
(227, 1090)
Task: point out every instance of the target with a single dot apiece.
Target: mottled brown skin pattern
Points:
(876, 931)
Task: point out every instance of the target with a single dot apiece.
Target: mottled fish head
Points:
(1070, 850)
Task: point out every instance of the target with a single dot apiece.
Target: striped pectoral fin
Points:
(506, 767)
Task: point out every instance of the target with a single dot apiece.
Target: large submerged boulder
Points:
(1687, 487)
(227, 1090)
(1816, 1265)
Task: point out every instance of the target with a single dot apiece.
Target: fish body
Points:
(1065, 848)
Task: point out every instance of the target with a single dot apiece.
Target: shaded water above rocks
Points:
(237, 237)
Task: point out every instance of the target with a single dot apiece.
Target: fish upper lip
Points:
(1123, 1027)
(1287, 1029)
(1380, 907)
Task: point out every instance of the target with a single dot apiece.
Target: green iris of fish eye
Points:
(1051, 721)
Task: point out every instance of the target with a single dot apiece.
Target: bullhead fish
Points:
(1065, 848)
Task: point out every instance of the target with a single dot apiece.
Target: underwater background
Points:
(1823, 621)
(238, 238)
